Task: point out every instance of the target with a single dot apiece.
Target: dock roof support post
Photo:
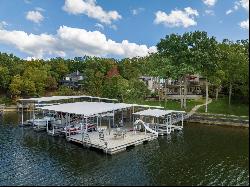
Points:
(81, 122)
(130, 113)
(86, 125)
(122, 118)
(66, 123)
(113, 118)
(30, 114)
(22, 113)
(182, 119)
(109, 125)
(33, 112)
(69, 123)
(53, 131)
(100, 120)
(158, 124)
(133, 110)
(47, 126)
(97, 117)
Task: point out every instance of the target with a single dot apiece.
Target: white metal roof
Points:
(156, 112)
(56, 98)
(87, 108)
(148, 106)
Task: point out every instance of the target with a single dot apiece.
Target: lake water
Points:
(199, 155)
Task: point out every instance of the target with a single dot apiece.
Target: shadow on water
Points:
(199, 155)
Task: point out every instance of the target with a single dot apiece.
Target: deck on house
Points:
(113, 144)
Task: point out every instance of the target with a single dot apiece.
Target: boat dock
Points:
(111, 144)
(101, 125)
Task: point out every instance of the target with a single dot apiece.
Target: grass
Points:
(221, 106)
(170, 104)
(5, 100)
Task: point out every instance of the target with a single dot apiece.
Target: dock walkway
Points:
(111, 144)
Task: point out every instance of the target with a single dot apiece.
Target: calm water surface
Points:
(199, 155)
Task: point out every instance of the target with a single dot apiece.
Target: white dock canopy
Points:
(156, 112)
(148, 106)
(87, 108)
(56, 98)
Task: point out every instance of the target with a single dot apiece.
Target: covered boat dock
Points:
(82, 123)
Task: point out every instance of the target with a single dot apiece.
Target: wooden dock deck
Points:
(110, 144)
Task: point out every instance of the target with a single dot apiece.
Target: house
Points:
(151, 82)
(170, 88)
(73, 80)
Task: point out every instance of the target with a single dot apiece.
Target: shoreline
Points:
(206, 119)
(226, 124)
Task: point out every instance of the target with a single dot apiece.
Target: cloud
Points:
(39, 9)
(35, 45)
(100, 26)
(229, 11)
(245, 24)
(34, 16)
(177, 18)
(240, 3)
(244, 4)
(209, 2)
(3, 24)
(137, 11)
(89, 8)
(209, 12)
(70, 42)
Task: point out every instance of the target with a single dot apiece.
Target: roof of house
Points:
(74, 74)
(145, 77)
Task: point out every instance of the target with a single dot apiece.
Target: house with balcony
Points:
(73, 80)
(172, 89)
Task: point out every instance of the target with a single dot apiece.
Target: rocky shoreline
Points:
(220, 119)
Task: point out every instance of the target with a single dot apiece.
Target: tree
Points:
(204, 55)
(28, 88)
(236, 65)
(51, 83)
(4, 77)
(177, 49)
(16, 86)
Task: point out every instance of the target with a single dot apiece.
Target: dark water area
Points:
(199, 155)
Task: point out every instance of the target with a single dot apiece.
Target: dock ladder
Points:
(86, 139)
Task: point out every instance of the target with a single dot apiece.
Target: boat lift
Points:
(169, 120)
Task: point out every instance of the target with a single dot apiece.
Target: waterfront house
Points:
(73, 80)
(171, 88)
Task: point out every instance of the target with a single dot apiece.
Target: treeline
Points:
(225, 65)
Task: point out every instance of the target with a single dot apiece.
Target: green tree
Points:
(236, 65)
(16, 86)
(177, 49)
(4, 77)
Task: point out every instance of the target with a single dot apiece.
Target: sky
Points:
(112, 28)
